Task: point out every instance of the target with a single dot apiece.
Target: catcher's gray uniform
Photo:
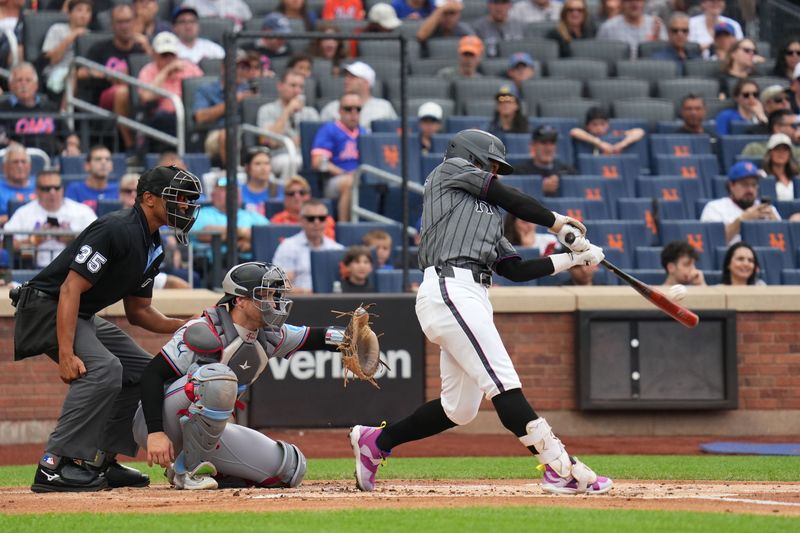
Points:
(240, 452)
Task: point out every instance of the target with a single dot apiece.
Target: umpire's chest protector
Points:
(246, 357)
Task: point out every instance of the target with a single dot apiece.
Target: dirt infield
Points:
(760, 498)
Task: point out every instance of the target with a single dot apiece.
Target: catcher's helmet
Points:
(479, 148)
(266, 284)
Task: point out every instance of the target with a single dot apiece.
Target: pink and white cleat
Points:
(368, 456)
(555, 484)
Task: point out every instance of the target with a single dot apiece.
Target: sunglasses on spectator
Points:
(779, 100)
(299, 192)
(748, 50)
(351, 108)
(679, 30)
(506, 98)
(749, 95)
(792, 53)
(48, 188)
(574, 10)
(315, 218)
(127, 191)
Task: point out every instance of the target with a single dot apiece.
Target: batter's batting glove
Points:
(592, 256)
(566, 225)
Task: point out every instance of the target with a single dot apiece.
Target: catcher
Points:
(190, 389)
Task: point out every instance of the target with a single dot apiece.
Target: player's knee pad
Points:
(212, 389)
(553, 454)
(461, 414)
(292, 469)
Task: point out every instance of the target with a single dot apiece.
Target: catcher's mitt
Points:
(361, 353)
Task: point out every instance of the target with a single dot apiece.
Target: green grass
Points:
(474, 519)
(644, 467)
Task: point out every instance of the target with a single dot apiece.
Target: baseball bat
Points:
(674, 310)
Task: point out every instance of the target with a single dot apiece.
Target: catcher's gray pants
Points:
(241, 452)
(98, 411)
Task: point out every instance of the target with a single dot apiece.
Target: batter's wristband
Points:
(561, 262)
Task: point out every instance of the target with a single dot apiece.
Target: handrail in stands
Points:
(178, 140)
(287, 142)
(357, 211)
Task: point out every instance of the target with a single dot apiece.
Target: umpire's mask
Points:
(266, 284)
(181, 196)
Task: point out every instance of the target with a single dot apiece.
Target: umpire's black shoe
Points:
(119, 476)
(67, 476)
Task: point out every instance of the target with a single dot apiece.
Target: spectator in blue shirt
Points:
(96, 186)
(261, 185)
(18, 184)
(413, 9)
(748, 107)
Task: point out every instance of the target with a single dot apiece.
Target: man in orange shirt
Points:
(296, 192)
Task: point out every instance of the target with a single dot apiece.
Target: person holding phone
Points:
(49, 211)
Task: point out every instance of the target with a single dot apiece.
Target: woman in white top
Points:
(780, 164)
(701, 27)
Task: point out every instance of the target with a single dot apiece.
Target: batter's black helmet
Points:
(479, 148)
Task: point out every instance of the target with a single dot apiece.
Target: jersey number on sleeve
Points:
(95, 263)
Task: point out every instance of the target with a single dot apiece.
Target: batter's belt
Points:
(481, 276)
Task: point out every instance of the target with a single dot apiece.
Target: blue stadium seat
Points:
(622, 236)
(649, 257)
(197, 163)
(75, 164)
(390, 125)
(392, 280)
(694, 166)
(740, 127)
(704, 236)
(680, 145)
(594, 188)
(699, 205)
(554, 281)
(641, 211)
(672, 126)
(732, 145)
(517, 143)
(617, 126)
(675, 210)
(772, 263)
(382, 150)
(107, 206)
(308, 130)
(21, 275)
(672, 190)
(13, 205)
(712, 277)
(454, 124)
(624, 166)
(579, 208)
(639, 149)
(531, 185)
(392, 205)
(266, 238)
(439, 142)
(325, 269)
(650, 276)
(771, 234)
(787, 208)
(350, 233)
(429, 162)
(790, 276)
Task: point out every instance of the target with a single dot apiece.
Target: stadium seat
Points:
(537, 30)
(787, 208)
(703, 167)
(454, 124)
(652, 110)
(390, 125)
(428, 162)
(578, 69)
(13, 205)
(672, 126)
(575, 108)
(600, 49)
(530, 185)
(75, 164)
(677, 88)
(484, 88)
(771, 234)
(649, 70)
(649, 257)
(442, 48)
(712, 277)
(308, 130)
(369, 195)
(107, 206)
(704, 236)
(790, 276)
(579, 208)
(639, 149)
(606, 190)
(260, 8)
(213, 28)
(703, 68)
(350, 233)
(85, 42)
(430, 66)
(383, 150)
(392, 205)
(732, 145)
(392, 280)
(544, 50)
(670, 188)
(196, 163)
(420, 87)
(640, 210)
(680, 145)
(484, 107)
(609, 89)
(35, 25)
(650, 276)
(516, 143)
(624, 166)
(617, 126)
(538, 90)
(266, 238)
(21, 275)
(554, 280)
(325, 269)
(772, 262)
(619, 236)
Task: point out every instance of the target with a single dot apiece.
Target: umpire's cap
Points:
(479, 148)
(157, 179)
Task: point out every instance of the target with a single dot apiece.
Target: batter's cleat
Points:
(555, 484)
(368, 456)
(67, 476)
(201, 478)
(119, 476)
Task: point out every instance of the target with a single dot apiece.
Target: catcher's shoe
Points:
(201, 478)
(119, 476)
(368, 456)
(555, 484)
(66, 476)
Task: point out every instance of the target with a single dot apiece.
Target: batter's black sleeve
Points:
(157, 372)
(519, 204)
(516, 269)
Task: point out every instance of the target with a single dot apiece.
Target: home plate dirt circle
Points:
(734, 497)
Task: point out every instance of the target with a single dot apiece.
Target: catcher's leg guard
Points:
(200, 477)
(291, 471)
(212, 389)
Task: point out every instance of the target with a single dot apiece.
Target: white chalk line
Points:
(743, 500)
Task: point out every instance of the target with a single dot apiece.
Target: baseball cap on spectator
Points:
(180, 10)
(507, 89)
(545, 133)
(742, 170)
(724, 27)
(470, 44)
(384, 16)
(359, 69)
(778, 139)
(771, 92)
(276, 23)
(166, 43)
(520, 58)
(430, 110)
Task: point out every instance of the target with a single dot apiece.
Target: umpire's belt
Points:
(483, 277)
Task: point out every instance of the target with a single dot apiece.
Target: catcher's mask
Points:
(180, 190)
(266, 284)
(479, 148)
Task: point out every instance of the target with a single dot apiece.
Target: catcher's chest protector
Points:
(246, 359)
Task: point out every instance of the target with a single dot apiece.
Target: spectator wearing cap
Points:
(498, 26)
(359, 78)
(470, 54)
(297, 191)
(596, 128)
(430, 117)
(779, 121)
(167, 71)
(787, 58)
(724, 39)
(413, 9)
(283, 116)
(50, 210)
(209, 103)
(236, 10)
(59, 43)
(192, 47)
(574, 23)
(508, 116)
(335, 151)
(380, 19)
(741, 204)
(678, 37)
(779, 163)
(298, 10)
(773, 98)
(543, 160)
(530, 11)
(521, 67)
(260, 185)
(145, 19)
(213, 220)
(445, 21)
(702, 27)
(275, 45)
(633, 26)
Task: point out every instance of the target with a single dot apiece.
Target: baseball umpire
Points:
(462, 243)
(115, 258)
